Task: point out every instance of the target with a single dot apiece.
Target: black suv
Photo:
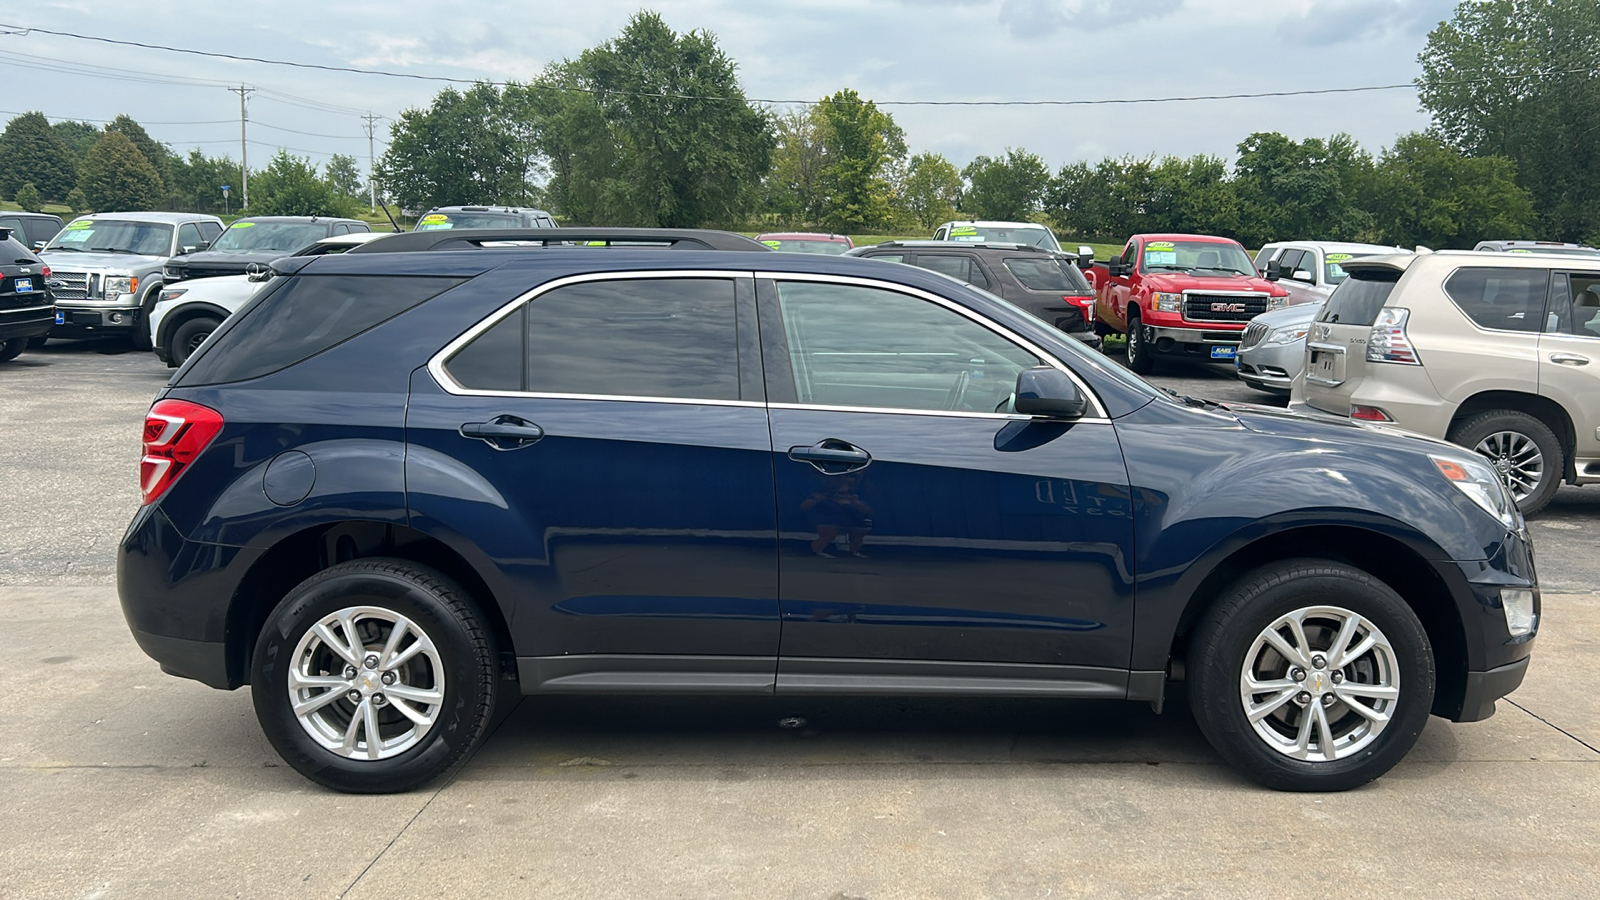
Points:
(1044, 282)
(396, 484)
(27, 306)
(256, 240)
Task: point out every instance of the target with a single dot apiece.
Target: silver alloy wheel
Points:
(366, 683)
(1320, 683)
(1518, 460)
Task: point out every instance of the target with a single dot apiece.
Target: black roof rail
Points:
(477, 238)
(979, 245)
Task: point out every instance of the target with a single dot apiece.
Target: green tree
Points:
(290, 186)
(1428, 193)
(78, 136)
(1521, 79)
(30, 150)
(793, 187)
(197, 182)
(77, 202)
(343, 174)
(1010, 188)
(932, 189)
(861, 147)
(1191, 195)
(160, 157)
(1291, 190)
(28, 197)
(117, 177)
(649, 128)
(466, 148)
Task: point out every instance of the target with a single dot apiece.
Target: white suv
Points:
(1499, 354)
(1310, 270)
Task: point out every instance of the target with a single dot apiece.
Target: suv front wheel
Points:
(374, 676)
(1523, 449)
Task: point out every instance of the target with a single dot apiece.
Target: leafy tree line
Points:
(120, 167)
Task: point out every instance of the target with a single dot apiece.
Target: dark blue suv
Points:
(397, 484)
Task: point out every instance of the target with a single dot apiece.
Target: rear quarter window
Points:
(1502, 299)
(304, 317)
(1038, 274)
(1358, 300)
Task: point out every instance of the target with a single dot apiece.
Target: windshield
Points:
(1206, 257)
(1034, 235)
(807, 245)
(1333, 273)
(442, 221)
(114, 236)
(246, 236)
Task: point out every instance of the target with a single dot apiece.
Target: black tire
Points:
(1474, 431)
(12, 349)
(188, 337)
(35, 343)
(1225, 641)
(1140, 359)
(463, 649)
(140, 336)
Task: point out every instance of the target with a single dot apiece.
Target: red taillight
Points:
(175, 432)
(44, 272)
(1369, 414)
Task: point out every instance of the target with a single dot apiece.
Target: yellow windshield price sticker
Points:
(243, 225)
(1338, 257)
(965, 229)
(1519, 251)
(81, 223)
(435, 218)
(1158, 245)
(773, 244)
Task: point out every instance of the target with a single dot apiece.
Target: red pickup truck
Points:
(1183, 295)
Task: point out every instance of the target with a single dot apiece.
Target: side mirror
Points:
(1049, 392)
(1274, 271)
(1304, 275)
(39, 245)
(1085, 256)
(1113, 268)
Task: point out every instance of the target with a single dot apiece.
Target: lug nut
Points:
(1298, 674)
(371, 661)
(388, 678)
(1327, 699)
(1338, 677)
(379, 699)
(353, 696)
(1319, 660)
(349, 672)
(1303, 698)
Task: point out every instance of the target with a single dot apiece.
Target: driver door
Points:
(926, 531)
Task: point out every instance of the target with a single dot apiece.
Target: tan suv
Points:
(1501, 355)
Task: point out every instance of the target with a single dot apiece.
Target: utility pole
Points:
(244, 153)
(372, 173)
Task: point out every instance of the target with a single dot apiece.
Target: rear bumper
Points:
(27, 322)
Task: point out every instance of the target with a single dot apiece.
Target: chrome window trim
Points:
(995, 327)
(942, 413)
(436, 363)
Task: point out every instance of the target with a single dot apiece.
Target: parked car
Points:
(109, 267)
(1182, 295)
(257, 239)
(1555, 247)
(27, 307)
(32, 230)
(1310, 270)
(806, 242)
(187, 313)
(1493, 353)
(441, 218)
(1046, 284)
(1272, 350)
(392, 486)
(998, 232)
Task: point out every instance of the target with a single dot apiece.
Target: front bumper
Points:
(1217, 344)
(1271, 367)
(77, 321)
(1484, 688)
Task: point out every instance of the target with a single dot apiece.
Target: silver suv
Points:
(1498, 354)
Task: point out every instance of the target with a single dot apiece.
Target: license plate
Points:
(1224, 352)
(24, 285)
(61, 317)
(1325, 364)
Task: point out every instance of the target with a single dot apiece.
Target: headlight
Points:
(172, 294)
(1169, 302)
(1478, 481)
(120, 284)
(1289, 335)
(1278, 302)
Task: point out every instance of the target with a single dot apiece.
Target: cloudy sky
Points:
(885, 49)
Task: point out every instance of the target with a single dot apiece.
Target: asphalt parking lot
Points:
(123, 782)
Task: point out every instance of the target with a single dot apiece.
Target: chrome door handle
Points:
(1569, 359)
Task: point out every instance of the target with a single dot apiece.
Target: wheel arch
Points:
(298, 556)
(172, 320)
(1386, 558)
(1551, 413)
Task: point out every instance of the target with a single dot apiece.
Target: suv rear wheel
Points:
(374, 676)
(1310, 675)
(1523, 449)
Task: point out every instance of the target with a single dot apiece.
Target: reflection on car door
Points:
(926, 532)
(1569, 360)
(605, 443)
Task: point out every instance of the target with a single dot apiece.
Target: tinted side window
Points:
(189, 236)
(1504, 299)
(1358, 299)
(1044, 274)
(668, 337)
(306, 316)
(889, 257)
(859, 346)
(210, 230)
(1575, 305)
(962, 268)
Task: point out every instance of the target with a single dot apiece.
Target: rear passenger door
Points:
(1569, 360)
(960, 266)
(604, 443)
